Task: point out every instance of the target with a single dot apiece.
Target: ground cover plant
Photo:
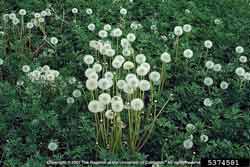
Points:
(123, 80)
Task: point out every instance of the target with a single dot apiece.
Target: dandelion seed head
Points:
(165, 57)
(188, 144)
(137, 104)
(208, 44)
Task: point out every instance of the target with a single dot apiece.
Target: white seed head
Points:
(239, 49)
(74, 10)
(88, 59)
(123, 11)
(141, 70)
(208, 102)
(140, 58)
(137, 104)
(128, 65)
(52, 146)
(247, 76)
(240, 71)
(224, 85)
(104, 98)
(208, 81)
(217, 67)
(89, 11)
(188, 53)
(209, 64)
(117, 105)
(117, 32)
(154, 76)
(1, 61)
(97, 67)
(77, 93)
(109, 114)
(105, 83)
(91, 84)
(144, 85)
(203, 138)
(188, 144)
(103, 34)
(22, 12)
(26, 68)
(178, 31)
(120, 84)
(95, 106)
(165, 57)
(107, 27)
(243, 59)
(29, 25)
(187, 28)
(208, 44)
(53, 40)
(91, 27)
(131, 37)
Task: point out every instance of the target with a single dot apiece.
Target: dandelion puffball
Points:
(97, 67)
(208, 81)
(88, 59)
(239, 49)
(128, 65)
(165, 57)
(240, 71)
(123, 11)
(203, 138)
(26, 68)
(53, 40)
(107, 27)
(91, 84)
(131, 37)
(109, 114)
(208, 102)
(144, 85)
(95, 106)
(209, 64)
(154, 76)
(120, 84)
(190, 127)
(243, 59)
(91, 27)
(137, 104)
(104, 98)
(187, 28)
(140, 58)
(125, 43)
(208, 44)
(217, 67)
(103, 34)
(1, 61)
(22, 12)
(74, 10)
(52, 146)
(117, 105)
(224, 85)
(247, 76)
(89, 11)
(141, 70)
(117, 32)
(188, 53)
(70, 100)
(188, 144)
(76, 93)
(105, 83)
(178, 31)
